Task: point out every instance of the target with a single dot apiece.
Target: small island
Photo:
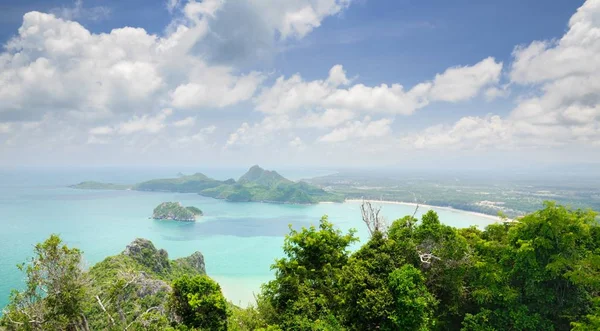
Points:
(176, 212)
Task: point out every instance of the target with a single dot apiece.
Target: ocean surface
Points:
(239, 241)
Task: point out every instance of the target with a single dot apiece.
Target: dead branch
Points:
(416, 209)
(112, 321)
(426, 258)
(371, 217)
(142, 314)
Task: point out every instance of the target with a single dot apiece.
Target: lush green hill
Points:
(259, 176)
(257, 184)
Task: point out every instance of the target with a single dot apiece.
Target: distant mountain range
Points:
(257, 184)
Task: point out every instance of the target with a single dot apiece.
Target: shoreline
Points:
(488, 216)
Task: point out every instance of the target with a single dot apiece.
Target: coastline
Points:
(491, 217)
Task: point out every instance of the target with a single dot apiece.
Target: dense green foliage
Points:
(199, 303)
(195, 210)
(175, 211)
(130, 290)
(256, 185)
(55, 290)
(539, 273)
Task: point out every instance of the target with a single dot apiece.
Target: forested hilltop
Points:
(257, 184)
(541, 272)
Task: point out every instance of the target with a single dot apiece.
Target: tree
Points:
(199, 303)
(555, 266)
(413, 304)
(55, 290)
(305, 291)
(367, 299)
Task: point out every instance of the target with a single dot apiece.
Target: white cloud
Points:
(137, 124)
(78, 11)
(455, 84)
(209, 129)
(145, 123)
(469, 132)
(186, 122)
(259, 133)
(493, 93)
(463, 83)
(297, 18)
(171, 5)
(575, 54)
(297, 143)
(101, 130)
(326, 119)
(220, 90)
(359, 129)
(239, 136)
(195, 10)
(56, 65)
(567, 72)
(565, 107)
(198, 137)
(5, 128)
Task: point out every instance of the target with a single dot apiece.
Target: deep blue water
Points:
(239, 240)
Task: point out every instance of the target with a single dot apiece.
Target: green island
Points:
(258, 185)
(541, 272)
(176, 212)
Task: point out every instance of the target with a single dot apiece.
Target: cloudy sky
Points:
(299, 82)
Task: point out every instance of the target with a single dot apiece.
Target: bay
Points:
(239, 240)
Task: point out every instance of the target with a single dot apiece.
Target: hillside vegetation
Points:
(175, 211)
(540, 273)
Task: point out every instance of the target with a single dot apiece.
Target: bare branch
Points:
(112, 321)
(416, 209)
(371, 217)
(142, 314)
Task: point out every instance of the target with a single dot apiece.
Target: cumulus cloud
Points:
(198, 137)
(565, 108)
(455, 84)
(144, 123)
(462, 83)
(469, 132)
(259, 133)
(78, 11)
(297, 143)
(5, 127)
(57, 65)
(244, 31)
(325, 119)
(567, 72)
(217, 90)
(359, 129)
(493, 92)
(186, 122)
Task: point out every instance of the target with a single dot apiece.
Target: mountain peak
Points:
(260, 176)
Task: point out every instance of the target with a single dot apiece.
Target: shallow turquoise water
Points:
(239, 240)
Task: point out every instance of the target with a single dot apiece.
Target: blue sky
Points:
(250, 81)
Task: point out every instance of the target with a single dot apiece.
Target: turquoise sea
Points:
(239, 240)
